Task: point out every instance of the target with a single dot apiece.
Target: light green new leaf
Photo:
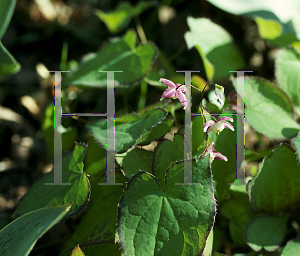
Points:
(77, 251)
(19, 237)
(277, 185)
(269, 110)
(287, 71)
(266, 231)
(292, 247)
(118, 55)
(118, 19)
(215, 46)
(176, 221)
(274, 18)
(126, 134)
(41, 195)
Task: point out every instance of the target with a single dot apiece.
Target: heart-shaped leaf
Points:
(176, 221)
(287, 70)
(19, 237)
(285, 14)
(41, 195)
(120, 54)
(268, 109)
(118, 19)
(277, 185)
(98, 225)
(212, 41)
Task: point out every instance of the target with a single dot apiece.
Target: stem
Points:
(202, 94)
(140, 30)
(143, 95)
(197, 88)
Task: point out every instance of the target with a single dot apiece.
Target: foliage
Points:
(154, 207)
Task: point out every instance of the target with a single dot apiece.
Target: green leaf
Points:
(238, 213)
(212, 42)
(199, 141)
(266, 232)
(6, 12)
(119, 54)
(225, 172)
(134, 161)
(98, 225)
(176, 221)
(156, 132)
(95, 158)
(268, 29)
(296, 142)
(41, 195)
(8, 64)
(166, 153)
(277, 185)
(77, 251)
(292, 247)
(19, 237)
(269, 110)
(286, 14)
(118, 19)
(287, 70)
(126, 134)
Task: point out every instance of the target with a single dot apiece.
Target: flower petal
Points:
(229, 126)
(219, 156)
(182, 88)
(225, 118)
(168, 83)
(207, 124)
(168, 93)
(181, 96)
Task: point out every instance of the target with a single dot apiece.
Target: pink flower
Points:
(174, 91)
(213, 154)
(219, 125)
